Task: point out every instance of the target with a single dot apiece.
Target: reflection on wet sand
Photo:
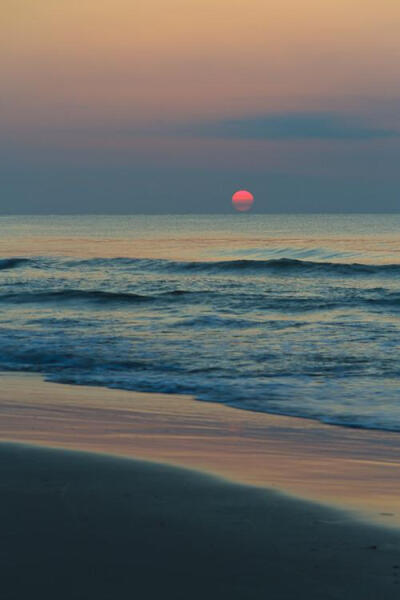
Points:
(351, 468)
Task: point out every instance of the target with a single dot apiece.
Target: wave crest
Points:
(292, 265)
(93, 296)
(12, 263)
(274, 266)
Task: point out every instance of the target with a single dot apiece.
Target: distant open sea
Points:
(289, 314)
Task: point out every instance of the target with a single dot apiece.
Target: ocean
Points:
(289, 314)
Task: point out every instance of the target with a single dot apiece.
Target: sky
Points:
(148, 106)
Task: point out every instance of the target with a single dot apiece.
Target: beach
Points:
(153, 494)
(200, 300)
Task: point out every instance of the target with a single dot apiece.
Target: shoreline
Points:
(352, 469)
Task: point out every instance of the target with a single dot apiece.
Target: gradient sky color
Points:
(148, 106)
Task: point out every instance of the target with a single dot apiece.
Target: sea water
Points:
(290, 314)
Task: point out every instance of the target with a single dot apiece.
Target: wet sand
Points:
(91, 525)
(353, 469)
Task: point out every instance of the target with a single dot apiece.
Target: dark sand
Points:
(94, 526)
(86, 526)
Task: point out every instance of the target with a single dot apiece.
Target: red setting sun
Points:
(242, 200)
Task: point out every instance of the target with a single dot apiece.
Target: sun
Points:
(242, 200)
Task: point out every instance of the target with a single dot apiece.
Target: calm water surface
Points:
(298, 315)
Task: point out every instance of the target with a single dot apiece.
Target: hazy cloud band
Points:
(288, 126)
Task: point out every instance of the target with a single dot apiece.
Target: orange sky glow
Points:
(125, 59)
(114, 81)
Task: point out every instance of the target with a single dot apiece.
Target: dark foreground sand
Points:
(79, 525)
(85, 526)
